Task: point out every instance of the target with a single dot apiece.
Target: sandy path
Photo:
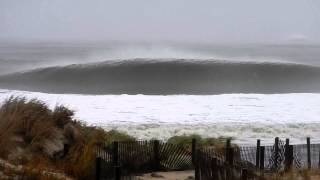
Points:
(175, 175)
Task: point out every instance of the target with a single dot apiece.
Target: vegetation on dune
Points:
(41, 139)
(216, 144)
(186, 140)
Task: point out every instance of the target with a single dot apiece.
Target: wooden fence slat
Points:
(197, 170)
(309, 152)
(180, 159)
(117, 172)
(262, 151)
(193, 149)
(244, 174)
(290, 156)
(178, 154)
(319, 160)
(172, 154)
(231, 156)
(170, 158)
(287, 156)
(147, 151)
(258, 153)
(276, 152)
(115, 153)
(156, 155)
(98, 168)
(163, 152)
(214, 168)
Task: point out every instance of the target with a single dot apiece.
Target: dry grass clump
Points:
(186, 140)
(80, 161)
(218, 144)
(45, 140)
(62, 116)
(24, 122)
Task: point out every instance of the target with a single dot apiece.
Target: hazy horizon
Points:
(237, 22)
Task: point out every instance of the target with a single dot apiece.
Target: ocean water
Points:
(158, 91)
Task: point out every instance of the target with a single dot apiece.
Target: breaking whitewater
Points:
(160, 97)
(245, 117)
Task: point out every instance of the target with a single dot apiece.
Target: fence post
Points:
(287, 142)
(262, 149)
(319, 160)
(197, 166)
(115, 153)
(244, 174)
(98, 151)
(291, 156)
(308, 152)
(258, 153)
(156, 154)
(231, 156)
(117, 172)
(98, 168)
(214, 170)
(276, 152)
(229, 159)
(229, 153)
(286, 154)
(228, 143)
(193, 150)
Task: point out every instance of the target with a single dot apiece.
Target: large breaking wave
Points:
(168, 76)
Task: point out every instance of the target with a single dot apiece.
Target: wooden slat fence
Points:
(133, 158)
(139, 157)
(226, 166)
(283, 156)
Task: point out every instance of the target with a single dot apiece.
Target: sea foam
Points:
(245, 117)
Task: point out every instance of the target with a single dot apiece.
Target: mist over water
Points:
(25, 56)
(146, 68)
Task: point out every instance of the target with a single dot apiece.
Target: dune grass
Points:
(28, 126)
(30, 120)
(185, 140)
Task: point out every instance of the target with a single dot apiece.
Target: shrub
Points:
(30, 120)
(186, 140)
(62, 116)
(29, 124)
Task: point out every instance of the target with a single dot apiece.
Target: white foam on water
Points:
(245, 117)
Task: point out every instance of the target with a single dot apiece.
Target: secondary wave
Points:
(168, 76)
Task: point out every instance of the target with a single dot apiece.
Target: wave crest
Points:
(168, 76)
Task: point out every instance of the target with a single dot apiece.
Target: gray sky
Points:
(214, 21)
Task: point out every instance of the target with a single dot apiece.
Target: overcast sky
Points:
(166, 20)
